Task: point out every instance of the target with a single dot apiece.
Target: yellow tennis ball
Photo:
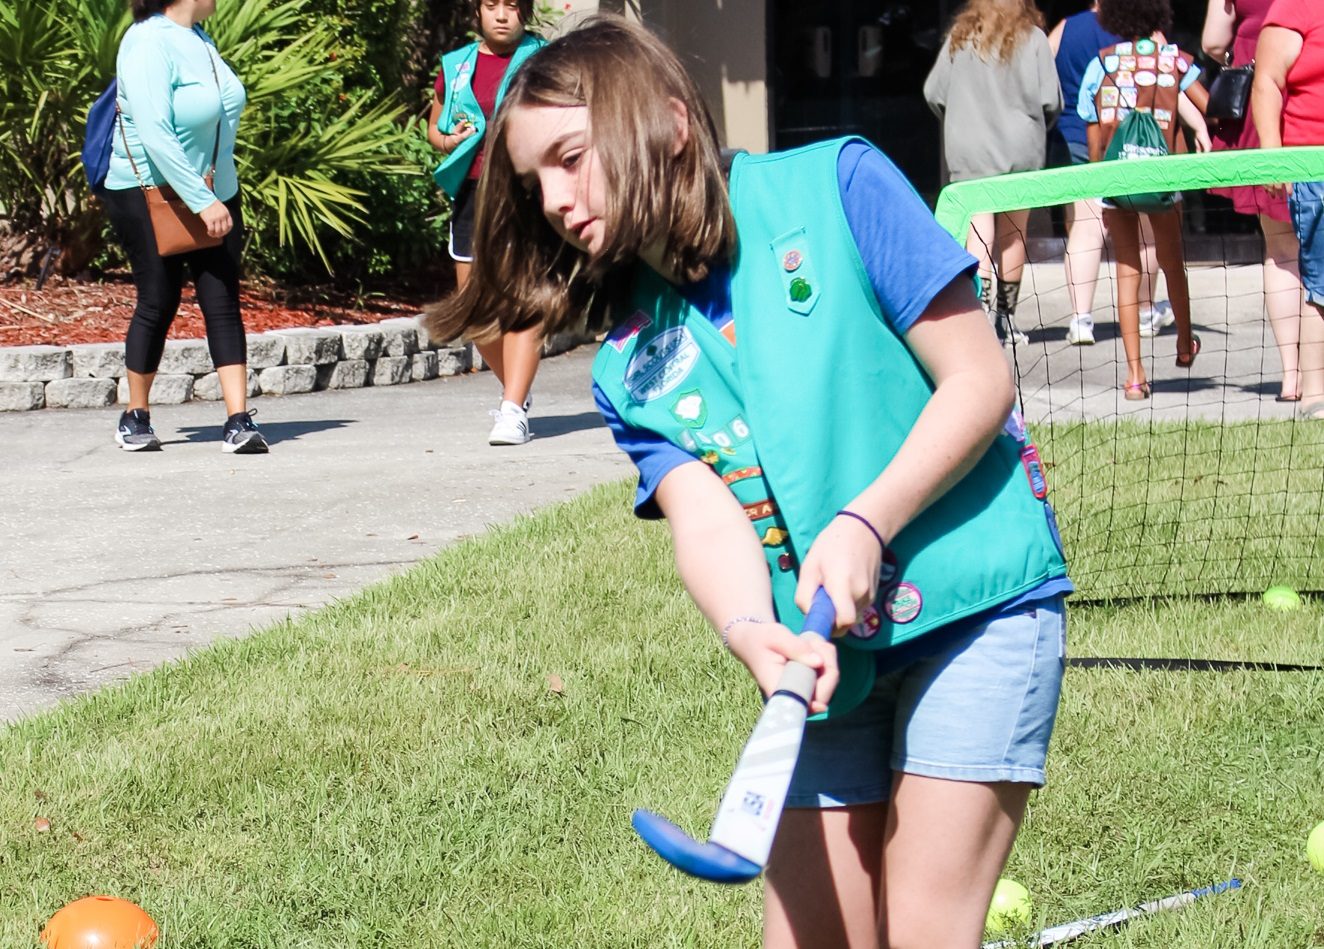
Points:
(1281, 598)
(1315, 847)
(1009, 908)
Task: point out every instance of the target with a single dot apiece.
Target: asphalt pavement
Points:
(113, 562)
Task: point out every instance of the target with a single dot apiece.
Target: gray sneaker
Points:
(241, 437)
(135, 431)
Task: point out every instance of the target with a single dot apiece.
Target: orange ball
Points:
(100, 922)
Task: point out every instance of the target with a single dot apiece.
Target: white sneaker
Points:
(511, 426)
(1157, 319)
(1080, 332)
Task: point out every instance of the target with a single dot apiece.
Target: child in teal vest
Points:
(799, 367)
(470, 85)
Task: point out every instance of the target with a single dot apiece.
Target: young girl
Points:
(1144, 72)
(469, 87)
(800, 368)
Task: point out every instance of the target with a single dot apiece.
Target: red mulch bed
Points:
(67, 311)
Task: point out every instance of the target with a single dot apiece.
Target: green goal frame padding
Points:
(1035, 189)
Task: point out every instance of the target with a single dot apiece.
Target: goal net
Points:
(1199, 481)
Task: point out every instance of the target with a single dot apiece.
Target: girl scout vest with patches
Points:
(458, 67)
(1145, 76)
(756, 405)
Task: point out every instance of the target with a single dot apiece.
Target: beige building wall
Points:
(724, 44)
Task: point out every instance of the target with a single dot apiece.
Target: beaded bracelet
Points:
(865, 521)
(726, 629)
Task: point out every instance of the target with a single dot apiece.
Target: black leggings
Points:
(160, 282)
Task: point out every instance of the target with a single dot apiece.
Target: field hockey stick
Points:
(746, 822)
(1068, 931)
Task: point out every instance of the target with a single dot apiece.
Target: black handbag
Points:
(1229, 94)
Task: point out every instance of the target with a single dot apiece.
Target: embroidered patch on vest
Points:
(740, 474)
(621, 335)
(661, 365)
(904, 603)
(757, 510)
(690, 409)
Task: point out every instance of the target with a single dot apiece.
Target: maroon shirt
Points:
(489, 72)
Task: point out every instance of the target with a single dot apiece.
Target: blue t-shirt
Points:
(907, 255)
(1082, 38)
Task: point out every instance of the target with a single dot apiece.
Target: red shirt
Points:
(1303, 108)
(489, 72)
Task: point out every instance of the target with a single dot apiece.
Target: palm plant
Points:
(301, 137)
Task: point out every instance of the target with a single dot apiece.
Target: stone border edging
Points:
(280, 362)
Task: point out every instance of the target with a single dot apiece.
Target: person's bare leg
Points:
(1124, 230)
(823, 879)
(1010, 233)
(979, 242)
(520, 354)
(946, 844)
(234, 387)
(140, 390)
(1149, 266)
(1172, 259)
(490, 351)
(1084, 254)
(1284, 299)
(1312, 355)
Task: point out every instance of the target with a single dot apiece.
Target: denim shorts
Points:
(980, 710)
(1307, 217)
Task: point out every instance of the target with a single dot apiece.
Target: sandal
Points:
(1139, 391)
(1189, 361)
(1288, 398)
(1314, 412)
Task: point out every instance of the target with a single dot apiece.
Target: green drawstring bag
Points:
(1138, 136)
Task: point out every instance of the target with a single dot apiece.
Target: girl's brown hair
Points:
(1132, 19)
(524, 274)
(525, 8)
(994, 28)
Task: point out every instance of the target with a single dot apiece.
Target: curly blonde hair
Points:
(993, 27)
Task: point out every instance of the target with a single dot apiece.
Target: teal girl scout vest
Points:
(757, 406)
(458, 67)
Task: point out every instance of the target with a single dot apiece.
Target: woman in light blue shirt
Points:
(179, 106)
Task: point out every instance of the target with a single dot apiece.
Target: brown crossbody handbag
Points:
(178, 230)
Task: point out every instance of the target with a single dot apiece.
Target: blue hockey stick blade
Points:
(706, 861)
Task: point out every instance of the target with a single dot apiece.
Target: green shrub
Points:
(313, 150)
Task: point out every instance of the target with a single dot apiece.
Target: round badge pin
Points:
(792, 260)
(904, 603)
(1145, 78)
(868, 626)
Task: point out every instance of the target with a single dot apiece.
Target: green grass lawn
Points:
(451, 758)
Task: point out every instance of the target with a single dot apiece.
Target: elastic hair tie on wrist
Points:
(865, 521)
(726, 628)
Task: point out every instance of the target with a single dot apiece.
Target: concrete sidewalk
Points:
(113, 562)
